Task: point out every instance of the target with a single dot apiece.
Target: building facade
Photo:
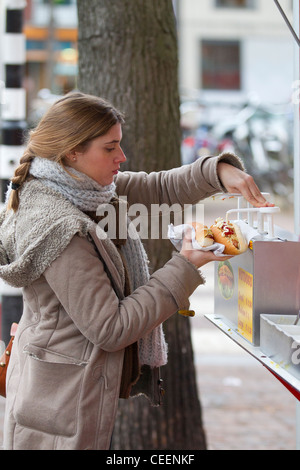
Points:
(227, 48)
(233, 48)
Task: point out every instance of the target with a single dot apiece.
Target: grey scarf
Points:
(87, 195)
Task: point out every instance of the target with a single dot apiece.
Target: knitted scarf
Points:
(86, 194)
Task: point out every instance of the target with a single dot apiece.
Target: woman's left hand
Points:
(237, 181)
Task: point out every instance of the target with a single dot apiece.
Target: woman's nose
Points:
(121, 157)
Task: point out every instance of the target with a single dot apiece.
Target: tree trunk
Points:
(128, 54)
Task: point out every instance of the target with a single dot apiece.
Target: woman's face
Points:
(102, 159)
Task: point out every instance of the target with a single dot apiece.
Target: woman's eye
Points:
(110, 149)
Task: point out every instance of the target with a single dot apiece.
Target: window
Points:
(234, 3)
(221, 65)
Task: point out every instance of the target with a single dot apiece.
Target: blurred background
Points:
(236, 76)
(237, 83)
(236, 71)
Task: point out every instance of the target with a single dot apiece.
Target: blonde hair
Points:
(71, 123)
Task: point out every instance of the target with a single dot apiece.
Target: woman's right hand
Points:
(197, 257)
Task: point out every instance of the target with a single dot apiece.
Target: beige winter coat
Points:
(64, 375)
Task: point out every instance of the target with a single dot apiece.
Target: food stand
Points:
(257, 299)
(257, 294)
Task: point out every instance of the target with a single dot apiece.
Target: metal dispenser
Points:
(263, 280)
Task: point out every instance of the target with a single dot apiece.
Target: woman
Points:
(91, 327)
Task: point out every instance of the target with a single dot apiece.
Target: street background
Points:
(236, 75)
(244, 406)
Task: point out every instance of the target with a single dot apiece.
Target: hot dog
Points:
(203, 235)
(230, 235)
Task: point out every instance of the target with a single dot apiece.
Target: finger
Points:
(252, 193)
(257, 197)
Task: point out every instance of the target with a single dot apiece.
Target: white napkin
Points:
(247, 231)
(176, 234)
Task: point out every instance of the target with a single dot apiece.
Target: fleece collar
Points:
(33, 237)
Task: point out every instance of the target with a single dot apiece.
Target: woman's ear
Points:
(72, 155)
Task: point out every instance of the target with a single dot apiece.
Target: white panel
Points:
(16, 4)
(13, 104)
(14, 48)
(9, 159)
(5, 289)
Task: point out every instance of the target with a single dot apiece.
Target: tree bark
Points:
(128, 55)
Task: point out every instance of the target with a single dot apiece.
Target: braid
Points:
(20, 175)
(70, 123)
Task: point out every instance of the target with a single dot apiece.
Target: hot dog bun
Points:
(229, 235)
(203, 235)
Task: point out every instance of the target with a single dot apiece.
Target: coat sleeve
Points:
(184, 185)
(83, 288)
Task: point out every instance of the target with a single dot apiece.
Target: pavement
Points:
(244, 407)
